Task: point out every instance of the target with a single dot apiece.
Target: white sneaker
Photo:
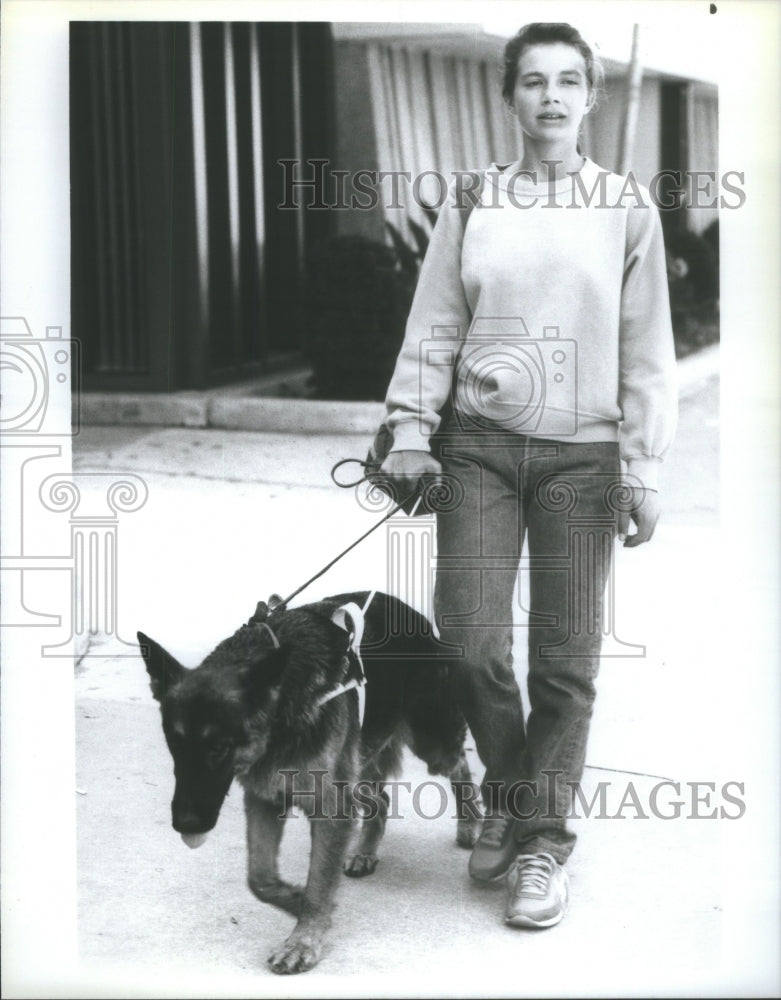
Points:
(539, 891)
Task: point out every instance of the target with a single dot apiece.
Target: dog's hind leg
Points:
(301, 951)
(265, 821)
(373, 803)
(468, 810)
(363, 859)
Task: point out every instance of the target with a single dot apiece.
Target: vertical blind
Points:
(446, 113)
(435, 112)
(703, 125)
(176, 134)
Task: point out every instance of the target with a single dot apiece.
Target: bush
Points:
(695, 324)
(701, 262)
(693, 277)
(357, 300)
(711, 237)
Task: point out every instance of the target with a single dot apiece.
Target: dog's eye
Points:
(175, 741)
(219, 750)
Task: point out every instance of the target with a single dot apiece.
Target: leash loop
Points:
(348, 461)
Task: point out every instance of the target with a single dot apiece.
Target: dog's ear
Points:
(261, 613)
(274, 601)
(163, 669)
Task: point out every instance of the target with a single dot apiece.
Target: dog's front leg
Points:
(303, 948)
(265, 821)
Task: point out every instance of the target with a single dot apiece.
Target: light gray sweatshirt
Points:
(551, 309)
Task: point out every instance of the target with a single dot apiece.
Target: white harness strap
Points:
(270, 632)
(355, 615)
(342, 689)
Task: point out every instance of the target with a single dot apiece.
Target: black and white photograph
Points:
(390, 439)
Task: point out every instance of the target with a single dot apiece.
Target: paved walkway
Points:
(233, 516)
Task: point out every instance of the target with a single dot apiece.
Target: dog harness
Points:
(351, 618)
(270, 632)
(356, 617)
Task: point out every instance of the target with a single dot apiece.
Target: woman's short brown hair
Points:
(547, 33)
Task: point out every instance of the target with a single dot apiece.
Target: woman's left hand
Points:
(644, 512)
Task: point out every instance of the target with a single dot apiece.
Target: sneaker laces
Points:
(493, 831)
(533, 873)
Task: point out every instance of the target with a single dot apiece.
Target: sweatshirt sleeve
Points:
(648, 394)
(437, 324)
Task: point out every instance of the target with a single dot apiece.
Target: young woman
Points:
(547, 317)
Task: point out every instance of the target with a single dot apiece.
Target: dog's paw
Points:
(467, 833)
(278, 893)
(295, 955)
(360, 864)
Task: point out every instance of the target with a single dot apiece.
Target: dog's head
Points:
(208, 715)
(437, 727)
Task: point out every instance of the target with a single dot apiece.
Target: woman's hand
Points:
(644, 512)
(407, 468)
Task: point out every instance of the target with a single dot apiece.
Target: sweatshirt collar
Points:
(529, 183)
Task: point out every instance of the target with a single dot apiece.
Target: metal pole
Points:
(629, 124)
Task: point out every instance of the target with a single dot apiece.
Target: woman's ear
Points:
(591, 101)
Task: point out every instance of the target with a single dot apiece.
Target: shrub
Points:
(702, 268)
(693, 276)
(359, 292)
(357, 300)
(695, 324)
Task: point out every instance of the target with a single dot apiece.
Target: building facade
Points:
(209, 160)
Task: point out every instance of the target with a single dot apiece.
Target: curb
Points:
(140, 408)
(696, 369)
(242, 410)
(296, 416)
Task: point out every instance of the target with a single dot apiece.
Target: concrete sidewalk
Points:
(271, 404)
(233, 516)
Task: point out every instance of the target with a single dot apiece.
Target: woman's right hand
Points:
(407, 468)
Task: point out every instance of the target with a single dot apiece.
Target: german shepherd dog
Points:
(270, 707)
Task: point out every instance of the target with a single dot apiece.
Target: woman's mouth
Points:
(551, 116)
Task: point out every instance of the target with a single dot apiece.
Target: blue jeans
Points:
(561, 496)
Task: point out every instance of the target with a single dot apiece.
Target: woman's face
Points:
(551, 93)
